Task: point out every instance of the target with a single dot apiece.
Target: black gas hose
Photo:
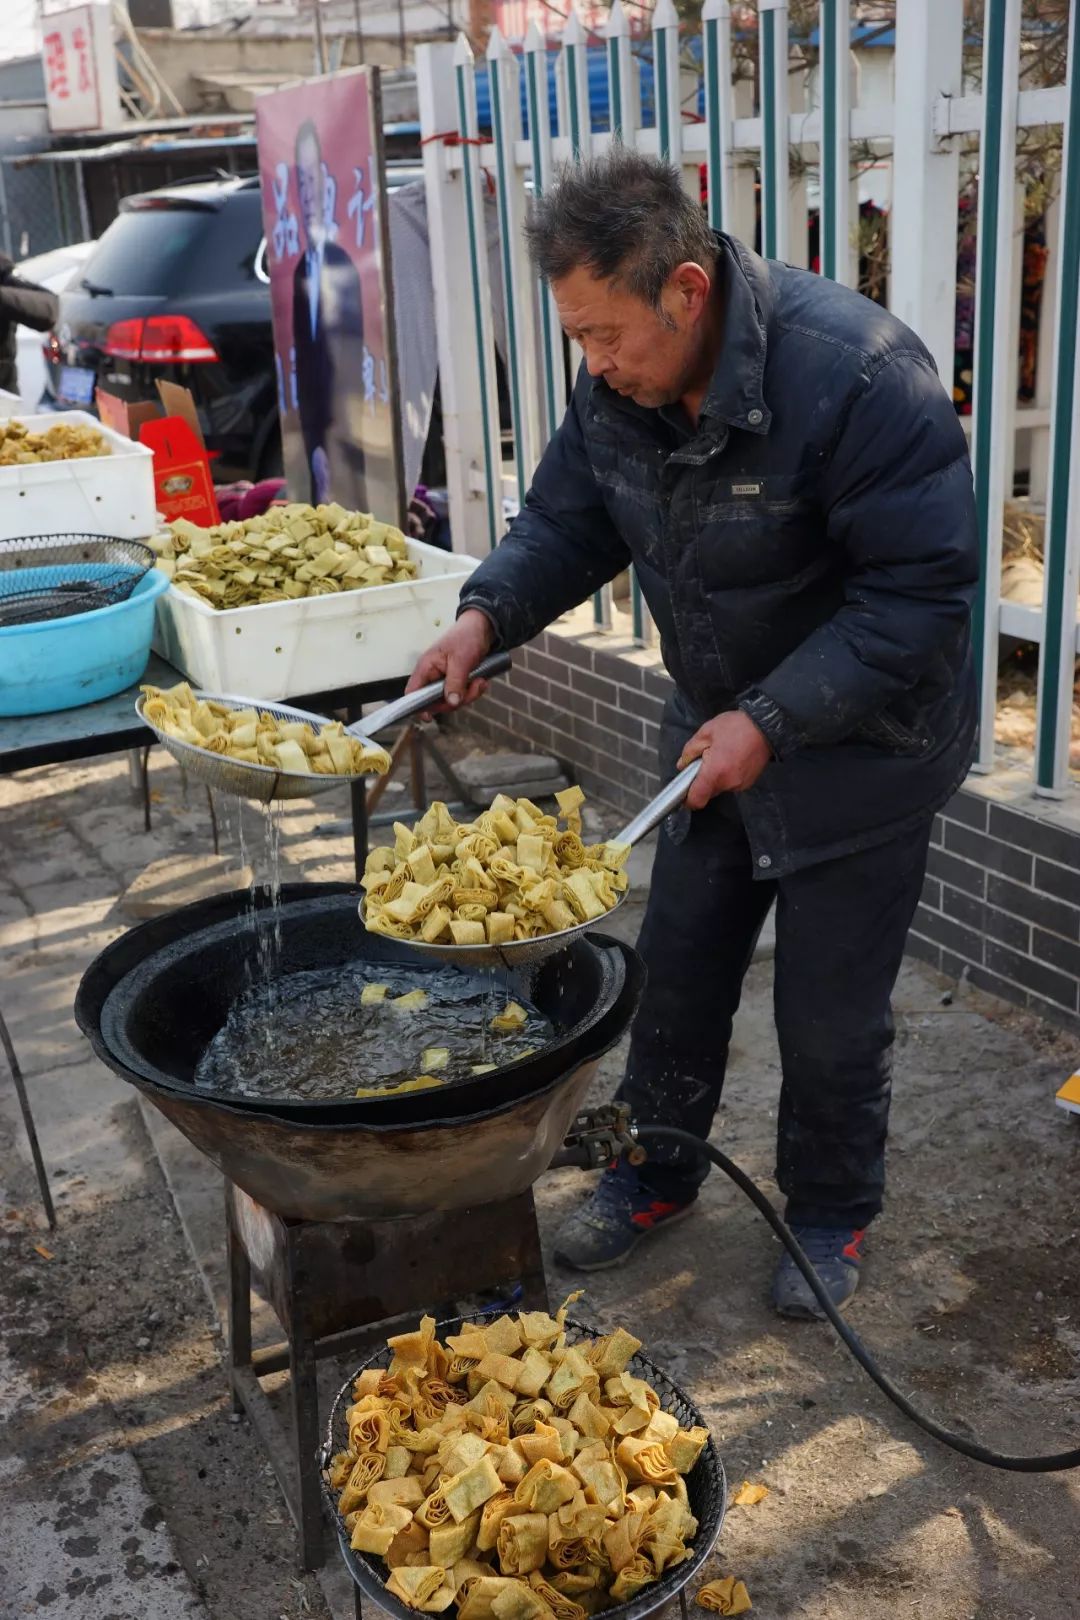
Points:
(1050, 1464)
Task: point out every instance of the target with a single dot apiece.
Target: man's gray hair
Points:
(624, 218)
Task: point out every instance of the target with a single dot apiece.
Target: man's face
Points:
(309, 182)
(641, 354)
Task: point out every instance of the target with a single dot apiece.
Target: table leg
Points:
(213, 821)
(358, 795)
(239, 1306)
(28, 1122)
(305, 1399)
(145, 773)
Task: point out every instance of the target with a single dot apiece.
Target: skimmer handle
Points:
(416, 702)
(668, 799)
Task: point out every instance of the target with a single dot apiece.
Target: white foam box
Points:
(276, 650)
(111, 495)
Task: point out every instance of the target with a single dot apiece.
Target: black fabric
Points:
(840, 931)
(808, 553)
(329, 359)
(22, 303)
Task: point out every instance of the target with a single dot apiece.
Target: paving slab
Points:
(966, 1299)
(181, 880)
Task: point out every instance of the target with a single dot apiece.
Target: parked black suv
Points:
(177, 288)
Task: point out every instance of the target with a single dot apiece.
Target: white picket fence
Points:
(919, 129)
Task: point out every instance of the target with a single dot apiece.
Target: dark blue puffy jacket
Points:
(809, 554)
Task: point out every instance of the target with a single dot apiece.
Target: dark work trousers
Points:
(840, 931)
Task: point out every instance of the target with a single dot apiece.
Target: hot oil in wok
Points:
(307, 1035)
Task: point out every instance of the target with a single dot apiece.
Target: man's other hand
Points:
(733, 754)
(453, 656)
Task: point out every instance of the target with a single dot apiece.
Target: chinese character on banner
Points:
(56, 73)
(285, 237)
(367, 375)
(82, 52)
(360, 203)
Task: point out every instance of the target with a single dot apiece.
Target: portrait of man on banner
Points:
(328, 314)
(319, 167)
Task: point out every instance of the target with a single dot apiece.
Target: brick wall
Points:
(597, 707)
(1001, 905)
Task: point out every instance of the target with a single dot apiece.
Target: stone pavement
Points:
(73, 845)
(127, 1489)
(81, 1526)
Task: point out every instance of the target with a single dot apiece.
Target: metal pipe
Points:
(320, 38)
(28, 1122)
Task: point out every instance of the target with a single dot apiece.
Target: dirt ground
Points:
(111, 1379)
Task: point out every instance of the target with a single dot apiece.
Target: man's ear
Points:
(691, 286)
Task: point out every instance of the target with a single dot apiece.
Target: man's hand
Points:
(733, 754)
(453, 656)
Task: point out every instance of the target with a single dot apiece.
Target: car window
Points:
(144, 252)
(237, 240)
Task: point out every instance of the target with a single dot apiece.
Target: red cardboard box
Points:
(182, 481)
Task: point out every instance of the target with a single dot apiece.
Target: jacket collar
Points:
(735, 394)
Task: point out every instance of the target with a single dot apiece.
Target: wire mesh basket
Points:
(55, 576)
(706, 1487)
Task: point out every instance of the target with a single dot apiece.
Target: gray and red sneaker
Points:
(835, 1252)
(619, 1215)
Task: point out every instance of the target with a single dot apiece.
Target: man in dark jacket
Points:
(21, 304)
(777, 458)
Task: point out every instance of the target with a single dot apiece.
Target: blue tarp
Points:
(599, 106)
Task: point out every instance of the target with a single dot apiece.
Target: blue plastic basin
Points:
(64, 663)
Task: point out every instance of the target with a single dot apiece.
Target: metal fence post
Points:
(466, 356)
(1058, 661)
(577, 127)
(623, 90)
(773, 48)
(995, 338)
(835, 24)
(926, 176)
(539, 111)
(468, 125)
(576, 68)
(622, 77)
(719, 106)
(667, 76)
(505, 87)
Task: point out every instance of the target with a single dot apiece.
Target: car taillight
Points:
(51, 349)
(175, 338)
(160, 339)
(123, 340)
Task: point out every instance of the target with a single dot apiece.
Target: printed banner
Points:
(324, 215)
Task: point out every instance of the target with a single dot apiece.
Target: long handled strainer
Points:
(266, 782)
(520, 953)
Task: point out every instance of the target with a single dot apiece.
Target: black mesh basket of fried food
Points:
(57, 575)
(706, 1489)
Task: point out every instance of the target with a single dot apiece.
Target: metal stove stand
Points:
(329, 1283)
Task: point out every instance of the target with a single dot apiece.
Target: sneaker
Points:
(835, 1252)
(607, 1229)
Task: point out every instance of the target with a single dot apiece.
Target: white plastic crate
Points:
(288, 649)
(111, 495)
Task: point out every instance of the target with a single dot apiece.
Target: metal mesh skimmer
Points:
(54, 576)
